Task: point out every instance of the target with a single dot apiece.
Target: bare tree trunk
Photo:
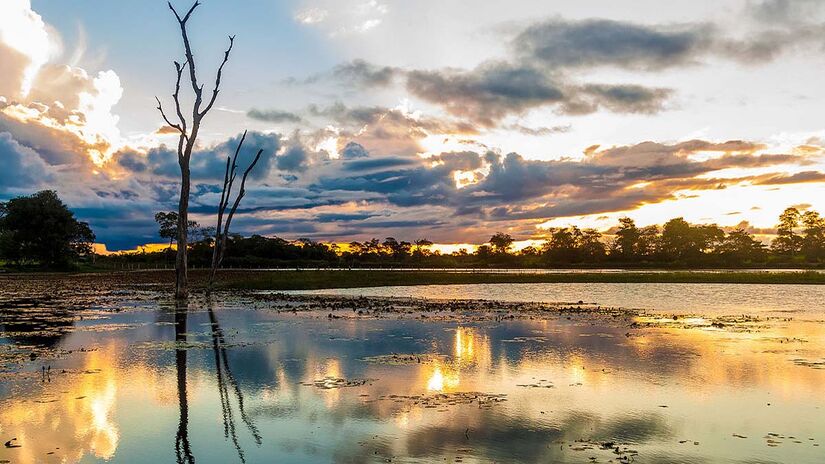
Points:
(186, 142)
(182, 259)
(226, 194)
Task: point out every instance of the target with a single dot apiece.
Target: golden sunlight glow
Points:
(24, 31)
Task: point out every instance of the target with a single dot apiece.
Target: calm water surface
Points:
(139, 381)
(807, 301)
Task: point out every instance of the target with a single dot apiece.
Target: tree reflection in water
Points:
(182, 449)
(226, 382)
(225, 379)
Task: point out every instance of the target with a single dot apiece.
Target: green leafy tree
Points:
(40, 228)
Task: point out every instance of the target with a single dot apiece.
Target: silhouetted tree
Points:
(42, 229)
(787, 242)
(187, 139)
(626, 244)
(590, 247)
(739, 247)
(682, 241)
(422, 248)
(222, 229)
(561, 247)
(812, 243)
(168, 225)
(501, 242)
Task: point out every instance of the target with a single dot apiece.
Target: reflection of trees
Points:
(227, 388)
(35, 321)
(182, 449)
(226, 379)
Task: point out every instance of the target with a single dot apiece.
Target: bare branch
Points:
(218, 78)
(176, 96)
(189, 56)
(242, 191)
(188, 13)
(168, 122)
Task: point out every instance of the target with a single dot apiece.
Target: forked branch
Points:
(222, 230)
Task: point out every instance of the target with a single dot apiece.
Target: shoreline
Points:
(284, 280)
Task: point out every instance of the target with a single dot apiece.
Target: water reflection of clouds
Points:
(606, 386)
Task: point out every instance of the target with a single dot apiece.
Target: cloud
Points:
(495, 90)
(22, 167)
(487, 93)
(356, 73)
(564, 44)
(26, 44)
(341, 18)
(273, 116)
(386, 131)
(599, 42)
(207, 164)
(363, 74)
(48, 100)
(354, 150)
(617, 99)
(784, 11)
(312, 16)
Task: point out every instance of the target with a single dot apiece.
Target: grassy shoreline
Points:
(314, 280)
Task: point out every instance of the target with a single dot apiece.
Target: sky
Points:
(441, 119)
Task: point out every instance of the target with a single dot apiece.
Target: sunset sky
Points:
(442, 119)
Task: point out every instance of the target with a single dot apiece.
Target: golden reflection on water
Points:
(72, 422)
(470, 350)
(607, 374)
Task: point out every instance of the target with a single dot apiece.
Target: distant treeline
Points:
(40, 231)
(800, 241)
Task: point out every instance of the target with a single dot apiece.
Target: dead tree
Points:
(222, 230)
(186, 141)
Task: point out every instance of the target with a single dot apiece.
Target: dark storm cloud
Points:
(22, 166)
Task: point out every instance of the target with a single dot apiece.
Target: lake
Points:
(123, 375)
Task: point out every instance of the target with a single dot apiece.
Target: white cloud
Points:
(341, 18)
(53, 100)
(312, 16)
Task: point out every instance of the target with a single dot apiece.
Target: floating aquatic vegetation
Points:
(331, 383)
(809, 363)
(542, 383)
(441, 400)
(402, 359)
